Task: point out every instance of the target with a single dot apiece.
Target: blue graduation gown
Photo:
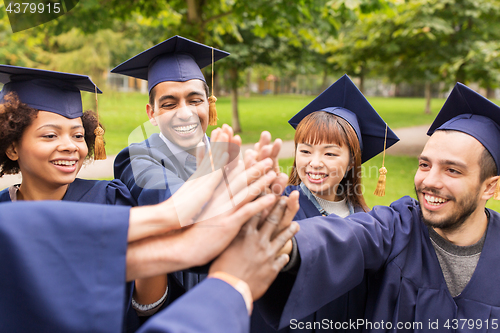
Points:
(152, 173)
(349, 306)
(61, 270)
(211, 307)
(102, 192)
(93, 191)
(406, 286)
(150, 170)
(64, 272)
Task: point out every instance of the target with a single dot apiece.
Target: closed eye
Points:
(423, 165)
(454, 171)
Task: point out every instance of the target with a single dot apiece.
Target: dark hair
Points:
(487, 166)
(152, 94)
(16, 116)
(90, 123)
(324, 127)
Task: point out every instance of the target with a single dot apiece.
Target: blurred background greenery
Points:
(416, 48)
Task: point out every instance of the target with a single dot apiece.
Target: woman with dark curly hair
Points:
(45, 135)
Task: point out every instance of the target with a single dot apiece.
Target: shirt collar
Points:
(179, 153)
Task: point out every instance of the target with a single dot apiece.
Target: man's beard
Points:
(464, 209)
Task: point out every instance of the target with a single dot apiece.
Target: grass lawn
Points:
(401, 170)
(121, 113)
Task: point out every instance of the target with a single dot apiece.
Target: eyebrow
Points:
(164, 97)
(192, 93)
(445, 162)
(58, 127)
(327, 146)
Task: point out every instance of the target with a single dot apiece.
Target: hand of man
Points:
(253, 254)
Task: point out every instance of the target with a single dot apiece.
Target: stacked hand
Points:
(222, 208)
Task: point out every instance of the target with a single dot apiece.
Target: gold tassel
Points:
(380, 189)
(99, 150)
(496, 196)
(212, 110)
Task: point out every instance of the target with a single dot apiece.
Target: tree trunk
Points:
(362, 83)
(192, 11)
(217, 88)
(324, 81)
(490, 93)
(428, 97)
(249, 83)
(233, 74)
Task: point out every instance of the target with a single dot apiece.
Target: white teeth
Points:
(185, 129)
(62, 162)
(316, 176)
(434, 200)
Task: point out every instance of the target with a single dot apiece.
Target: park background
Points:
(405, 56)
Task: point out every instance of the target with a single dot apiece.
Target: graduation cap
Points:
(51, 91)
(467, 111)
(344, 99)
(47, 90)
(176, 59)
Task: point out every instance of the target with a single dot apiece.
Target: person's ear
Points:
(11, 152)
(491, 185)
(150, 110)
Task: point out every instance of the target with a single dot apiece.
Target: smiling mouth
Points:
(316, 176)
(434, 201)
(64, 162)
(185, 129)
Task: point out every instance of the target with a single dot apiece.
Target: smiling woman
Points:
(337, 132)
(46, 136)
(47, 148)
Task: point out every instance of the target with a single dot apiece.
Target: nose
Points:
(316, 161)
(432, 178)
(184, 112)
(67, 144)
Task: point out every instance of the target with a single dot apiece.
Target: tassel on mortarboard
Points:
(380, 190)
(212, 110)
(99, 150)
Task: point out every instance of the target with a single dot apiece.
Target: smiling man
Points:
(432, 263)
(178, 104)
(154, 169)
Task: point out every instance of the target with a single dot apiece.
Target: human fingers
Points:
(255, 189)
(276, 147)
(265, 139)
(272, 220)
(291, 209)
(279, 184)
(250, 158)
(283, 237)
(228, 130)
(286, 249)
(251, 224)
(250, 211)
